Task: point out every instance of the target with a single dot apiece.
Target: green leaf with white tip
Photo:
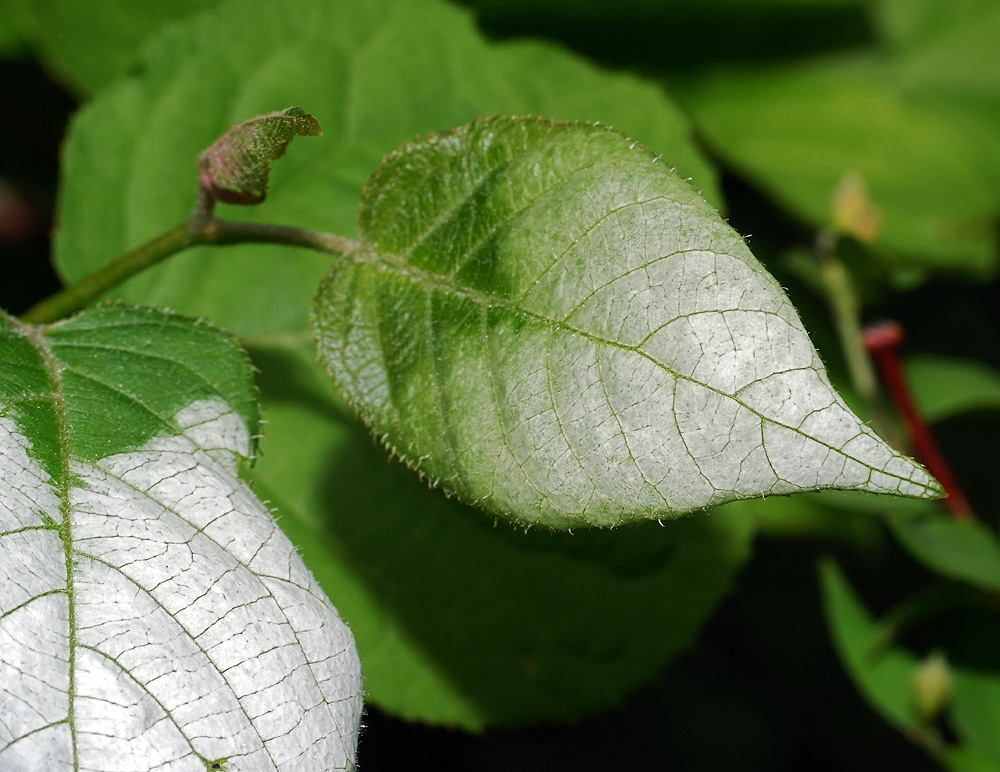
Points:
(545, 320)
(152, 614)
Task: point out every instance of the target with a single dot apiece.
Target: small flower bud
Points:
(932, 686)
(852, 212)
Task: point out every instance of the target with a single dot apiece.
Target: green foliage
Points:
(88, 45)
(110, 367)
(883, 674)
(947, 386)
(373, 73)
(888, 673)
(964, 550)
(462, 621)
(914, 115)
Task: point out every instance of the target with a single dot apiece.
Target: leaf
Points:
(87, 45)
(882, 674)
(883, 671)
(977, 709)
(16, 24)
(945, 50)
(152, 614)
(236, 167)
(966, 759)
(965, 550)
(373, 72)
(974, 640)
(463, 622)
(546, 321)
(944, 387)
(797, 130)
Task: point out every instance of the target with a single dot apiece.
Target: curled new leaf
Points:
(236, 166)
(545, 320)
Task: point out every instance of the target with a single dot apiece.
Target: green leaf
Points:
(883, 674)
(463, 622)
(945, 50)
(884, 671)
(797, 131)
(236, 167)
(960, 549)
(545, 320)
(373, 72)
(87, 45)
(975, 710)
(151, 612)
(12, 32)
(966, 759)
(944, 387)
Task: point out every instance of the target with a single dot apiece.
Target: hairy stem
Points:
(202, 228)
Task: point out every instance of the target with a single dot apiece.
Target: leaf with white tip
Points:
(152, 614)
(541, 318)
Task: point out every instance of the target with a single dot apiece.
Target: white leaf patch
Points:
(154, 617)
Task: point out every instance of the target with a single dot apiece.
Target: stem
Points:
(846, 311)
(201, 228)
(78, 295)
(884, 341)
(226, 233)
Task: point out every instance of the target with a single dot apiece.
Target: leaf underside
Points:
(544, 319)
(152, 614)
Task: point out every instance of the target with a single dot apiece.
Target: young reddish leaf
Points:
(236, 166)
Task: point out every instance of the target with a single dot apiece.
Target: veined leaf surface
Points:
(546, 320)
(152, 614)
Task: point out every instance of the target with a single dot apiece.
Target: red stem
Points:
(884, 341)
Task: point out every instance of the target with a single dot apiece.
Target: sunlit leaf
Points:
(966, 759)
(87, 45)
(545, 320)
(152, 614)
(796, 131)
